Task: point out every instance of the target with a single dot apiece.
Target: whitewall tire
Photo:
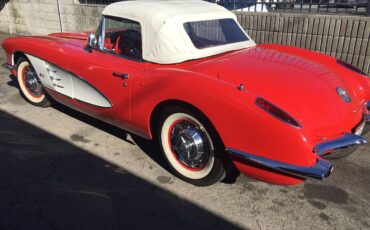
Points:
(29, 84)
(189, 145)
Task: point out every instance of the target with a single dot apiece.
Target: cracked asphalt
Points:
(60, 169)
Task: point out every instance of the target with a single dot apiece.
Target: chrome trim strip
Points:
(320, 170)
(8, 66)
(347, 140)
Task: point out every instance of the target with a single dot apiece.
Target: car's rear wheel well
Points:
(155, 116)
(175, 108)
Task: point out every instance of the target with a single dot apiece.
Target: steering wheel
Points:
(128, 43)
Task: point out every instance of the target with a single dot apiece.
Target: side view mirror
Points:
(92, 41)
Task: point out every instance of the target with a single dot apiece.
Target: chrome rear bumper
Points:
(346, 145)
(340, 147)
(337, 148)
(320, 170)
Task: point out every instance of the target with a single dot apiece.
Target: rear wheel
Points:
(191, 147)
(30, 85)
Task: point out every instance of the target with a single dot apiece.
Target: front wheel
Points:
(191, 147)
(30, 85)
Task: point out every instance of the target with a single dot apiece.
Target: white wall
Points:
(41, 16)
(344, 37)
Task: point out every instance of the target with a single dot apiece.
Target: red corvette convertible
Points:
(185, 74)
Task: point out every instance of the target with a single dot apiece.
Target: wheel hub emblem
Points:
(189, 145)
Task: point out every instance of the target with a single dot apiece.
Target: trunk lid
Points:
(303, 88)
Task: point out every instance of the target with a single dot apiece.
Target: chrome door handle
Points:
(121, 75)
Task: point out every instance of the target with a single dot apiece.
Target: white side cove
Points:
(57, 79)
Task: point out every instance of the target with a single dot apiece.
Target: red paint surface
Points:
(302, 83)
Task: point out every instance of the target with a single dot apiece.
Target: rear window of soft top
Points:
(216, 32)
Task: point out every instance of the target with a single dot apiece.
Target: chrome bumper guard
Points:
(320, 170)
(8, 66)
(346, 145)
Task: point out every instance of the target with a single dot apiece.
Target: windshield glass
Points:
(217, 32)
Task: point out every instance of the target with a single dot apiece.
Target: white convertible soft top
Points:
(164, 39)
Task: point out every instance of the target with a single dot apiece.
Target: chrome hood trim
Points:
(320, 170)
(346, 141)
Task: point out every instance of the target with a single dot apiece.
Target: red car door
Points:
(103, 74)
(110, 77)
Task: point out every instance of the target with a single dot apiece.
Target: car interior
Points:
(125, 43)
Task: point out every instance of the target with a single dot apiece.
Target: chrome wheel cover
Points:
(190, 144)
(32, 82)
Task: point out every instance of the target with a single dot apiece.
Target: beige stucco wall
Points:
(42, 17)
(344, 37)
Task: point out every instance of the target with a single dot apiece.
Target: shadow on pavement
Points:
(149, 147)
(48, 183)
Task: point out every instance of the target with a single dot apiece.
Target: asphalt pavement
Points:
(60, 169)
